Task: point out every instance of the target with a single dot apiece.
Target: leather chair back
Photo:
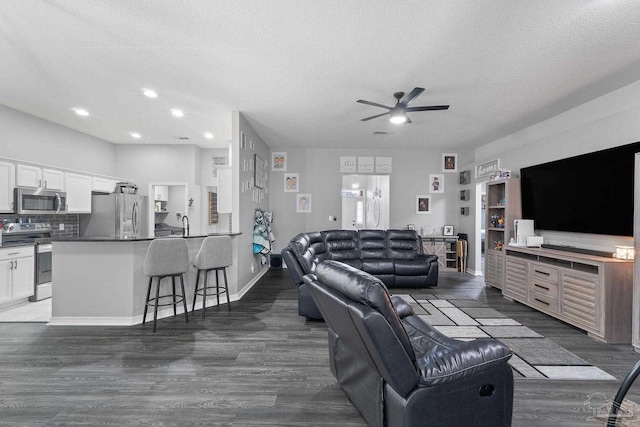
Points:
(357, 306)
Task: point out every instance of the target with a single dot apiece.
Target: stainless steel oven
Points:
(39, 201)
(42, 283)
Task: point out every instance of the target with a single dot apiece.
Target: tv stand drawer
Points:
(542, 301)
(545, 273)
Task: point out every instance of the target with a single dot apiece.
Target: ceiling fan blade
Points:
(408, 97)
(375, 104)
(428, 108)
(374, 117)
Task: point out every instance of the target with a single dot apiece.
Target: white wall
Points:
(243, 205)
(29, 138)
(319, 174)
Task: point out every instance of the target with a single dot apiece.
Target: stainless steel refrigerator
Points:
(117, 216)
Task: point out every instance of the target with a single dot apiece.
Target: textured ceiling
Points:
(295, 68)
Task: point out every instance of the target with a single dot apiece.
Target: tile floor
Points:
(39, 311)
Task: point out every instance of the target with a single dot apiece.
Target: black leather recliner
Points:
(397, 369)
(394, 256)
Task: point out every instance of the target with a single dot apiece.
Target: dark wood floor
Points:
(257, 365)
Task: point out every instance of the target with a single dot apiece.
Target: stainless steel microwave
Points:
(39, 201)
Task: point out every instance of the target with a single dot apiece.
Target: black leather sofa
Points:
(397, 369)
(394, 256)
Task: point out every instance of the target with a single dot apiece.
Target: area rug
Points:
(534, 355)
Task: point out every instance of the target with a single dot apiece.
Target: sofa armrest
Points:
(403, 308)
(440, 359)
(428, 257)
(295, 269)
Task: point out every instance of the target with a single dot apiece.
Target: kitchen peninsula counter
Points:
(100, 280)
(137, 239)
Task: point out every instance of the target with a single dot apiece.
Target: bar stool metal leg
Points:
(204, 291)
(184, 299)
(226, 287)
(146, 303)
(155, 304)
(217, 288)
(195, 294)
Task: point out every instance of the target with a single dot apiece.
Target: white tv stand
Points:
(593, 293)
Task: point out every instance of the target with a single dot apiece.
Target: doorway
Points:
(168, 203)
(365, 202)
(480, 206)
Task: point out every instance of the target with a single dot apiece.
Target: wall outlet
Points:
(61, 227)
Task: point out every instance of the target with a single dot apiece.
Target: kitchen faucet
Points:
(185, 230)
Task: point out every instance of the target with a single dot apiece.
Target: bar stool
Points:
(166, 258)
(214, 254)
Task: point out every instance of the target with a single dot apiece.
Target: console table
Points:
(590, 292)
(444, 247)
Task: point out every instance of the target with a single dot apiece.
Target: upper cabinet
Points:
(36, 177)
(7, 183)
(103, 185)
(161, 193)
(78, 189)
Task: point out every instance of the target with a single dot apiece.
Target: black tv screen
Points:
(591, 193)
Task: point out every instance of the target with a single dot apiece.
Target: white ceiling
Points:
(295, 68)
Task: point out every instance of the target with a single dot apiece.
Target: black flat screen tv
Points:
(590, 193)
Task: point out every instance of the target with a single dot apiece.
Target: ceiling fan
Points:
(399, 112)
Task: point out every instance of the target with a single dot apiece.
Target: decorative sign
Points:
(488, 169)
(365, 165)
(383, 164)
(347, 164)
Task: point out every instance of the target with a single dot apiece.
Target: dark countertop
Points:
(140, 239)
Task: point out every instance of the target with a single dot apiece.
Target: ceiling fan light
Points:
(398, 117)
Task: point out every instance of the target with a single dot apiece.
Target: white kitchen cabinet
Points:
(103, 185)
(7, 183)
(162, 193)
(16, 273)
(36, 177)
(78, 189)
(52, 179)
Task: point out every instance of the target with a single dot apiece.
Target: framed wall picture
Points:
(243, 141)
(291, 182)
(348, 164)
(279, 161)
(436, 183)
(303, 203)
(260, 174)
(448, 230)
(423, 205)
(449, 162)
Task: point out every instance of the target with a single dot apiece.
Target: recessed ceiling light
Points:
(135, 135)
(150, 93)
(176, 112)
(81, 112)
(208, 135)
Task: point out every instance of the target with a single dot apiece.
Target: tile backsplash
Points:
(70, 221)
